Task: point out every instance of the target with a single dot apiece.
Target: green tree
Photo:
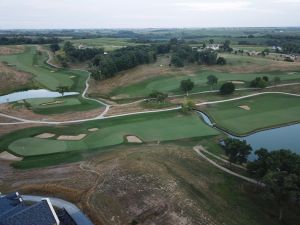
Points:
(177, 61)
(187, 85)
(54, 47)
(212, 80)
(221, 61)
(188, 106)
(158, 96)
(227, 88)
(62, 89)
(280, 184)
(236, 150)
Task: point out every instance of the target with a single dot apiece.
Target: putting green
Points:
(266, 111)
(149, 127)
(170, 84)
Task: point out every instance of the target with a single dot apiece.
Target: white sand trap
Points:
(93, 129)
(237, 82)
(9, 157)
(45, 135)
(292, 73)
(52, 71)
(133, 139)
(71, 138)
(245, 107)
(53, 103)
(72, 77)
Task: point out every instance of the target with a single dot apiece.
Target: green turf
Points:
(149, 127)
(170, 84)
(45, 76)
(267, 110)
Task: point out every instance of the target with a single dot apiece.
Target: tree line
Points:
(105, 66)
(27, 40)
(276, 172)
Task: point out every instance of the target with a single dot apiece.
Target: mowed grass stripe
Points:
(153, 127)
(266, 111)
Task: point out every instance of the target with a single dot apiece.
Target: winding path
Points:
(199, 149)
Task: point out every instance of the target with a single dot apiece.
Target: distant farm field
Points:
(108, 44)
(148, 127)
(250, 114)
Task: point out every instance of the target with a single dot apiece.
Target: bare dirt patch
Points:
(133, 139)
(9, 157)
(245, 107)
(10, 50)
(71, 137)
(53, 103)
(12, 79)
(45, 135)
(93, 129)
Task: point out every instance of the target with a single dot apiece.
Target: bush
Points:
(227, 88)
(221, 61)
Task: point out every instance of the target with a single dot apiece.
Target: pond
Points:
(287, 137)
(30, 94)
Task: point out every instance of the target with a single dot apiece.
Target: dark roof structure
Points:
(13, 211)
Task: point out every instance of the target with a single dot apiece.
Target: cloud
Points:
(215, 6)
(287, 1)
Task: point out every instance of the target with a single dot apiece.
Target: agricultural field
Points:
(254, 113)
(108, 44)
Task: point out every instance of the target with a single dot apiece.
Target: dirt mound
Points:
(71, 138)
(133, 139)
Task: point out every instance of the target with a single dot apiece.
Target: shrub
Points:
(227, 88)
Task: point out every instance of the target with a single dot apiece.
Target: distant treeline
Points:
(27, 40)
(105, 66)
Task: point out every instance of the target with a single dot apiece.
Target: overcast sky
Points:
(147, 13)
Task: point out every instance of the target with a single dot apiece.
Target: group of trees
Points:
(105, 66)
(81, 55)
(262, 82)
(277, 172)
(158, 96)
(27, 40)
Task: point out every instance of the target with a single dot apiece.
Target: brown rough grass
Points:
(10, 50)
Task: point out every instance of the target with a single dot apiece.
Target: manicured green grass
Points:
(149, 127)
(109, 44)
(171, 84)
(266, 111)
(50, 78)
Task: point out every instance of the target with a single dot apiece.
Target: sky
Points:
(56, 14)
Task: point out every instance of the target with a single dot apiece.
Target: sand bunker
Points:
(245, 107)
(72, 77)
(45, 135)
(71, 138)
(237, 82)
(52, 103)
(292, 73)
(133, 139)
(9, 157)
(93, 129)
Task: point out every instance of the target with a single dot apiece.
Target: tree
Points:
(259, 82)
(187, 85)
(211, 41)
(212, 80)
(227, 88)
(276, 80)
(177, 61)
(236, 150)
(226, 46)
(221, 61)
(188, 106)
(54, 47)
(158, 96)
(62, 89)
(280, 184)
